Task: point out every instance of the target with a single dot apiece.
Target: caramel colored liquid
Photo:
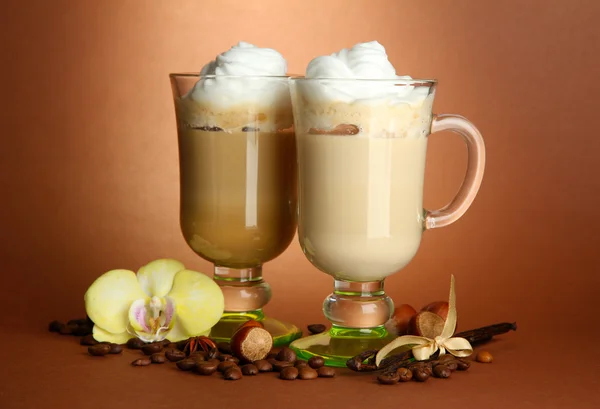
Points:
(238, 195)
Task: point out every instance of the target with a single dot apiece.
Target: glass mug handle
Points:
(475, 166)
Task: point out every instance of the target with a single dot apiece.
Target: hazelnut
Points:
(251, 343)
(398, 323)
(438, 307)
(484, 357)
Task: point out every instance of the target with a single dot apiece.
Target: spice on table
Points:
(484, 357)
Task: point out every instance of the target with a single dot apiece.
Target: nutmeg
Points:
(251, 343)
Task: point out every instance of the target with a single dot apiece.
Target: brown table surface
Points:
(42, 369)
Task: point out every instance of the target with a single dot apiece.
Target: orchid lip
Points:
(151, 319)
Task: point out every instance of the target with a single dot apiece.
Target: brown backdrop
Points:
(89, 166)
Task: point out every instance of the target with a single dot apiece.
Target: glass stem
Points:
(244, 289)
(361, 305)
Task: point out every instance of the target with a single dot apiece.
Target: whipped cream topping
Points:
(366, 61)
(242, 86)
(359, 87)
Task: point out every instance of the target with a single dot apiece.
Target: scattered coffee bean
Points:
(116, 349)
(99, 349)
(307, 373)
(135, 343)
(316, 362)
(273, 353)
(263, 366)
(462, 365)
(326, 372)
(249, 370)
(81, 331)
(441, 371)
(65, 330)
(88, 340)
(484, 357)
(388, 378)
(289, 373)
(232, 373)
(206, 368)
(224, 348)
(316, 328)
(446, 358)
(77, 322)
(174, 355)
(300, 363)
(165, 343)
(404, 374)
(186, 364)
(141, 362)
(197, 358)
(212, 353)
(214, 361)
(158, 358)
(150, 349)
(224, 365)
(279, 365)
(55, 326)
(420, 374)
(286, 354)
(452, 365)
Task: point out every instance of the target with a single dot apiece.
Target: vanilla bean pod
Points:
(484, 334)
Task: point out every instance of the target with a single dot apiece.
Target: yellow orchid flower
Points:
(162, 300)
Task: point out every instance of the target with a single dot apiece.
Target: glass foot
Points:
(341, 343)
(283, 332)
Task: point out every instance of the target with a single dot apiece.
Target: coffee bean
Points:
(484, 357)
(300, 363)
(81, 331)
(165, 343)
(286, 354)
(279, 365)
(232, 373)
(224, 365)
(212, 353)
(141, 362)
(214, 361)
(316, 362)
(150, 349)
(174, 355)
(88, 340)
(273, 353)
(441, 371)
(289, 373)
(99, 349)
(225, 357)
(316, 328)
(462, 365)
(446, 358)
(326, 372)
(452, 365)
(77, 322)
(186, 364)
(116, 349)
(404, 374)
(65, 330)
(206, 368)
(55, 326)
(135, 343)
(307, 373)
(388, 378)
(263, 366)
(224, 348)
(158, 358)
(420, 375)
(249, 370)
(198, 358)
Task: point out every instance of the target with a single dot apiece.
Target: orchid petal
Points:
(178, 333)
(137, 316)
(156, 277)
(101, 335)
(199, 301)
(108, 299)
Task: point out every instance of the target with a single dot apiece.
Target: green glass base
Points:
(341, 343)
(283, 333)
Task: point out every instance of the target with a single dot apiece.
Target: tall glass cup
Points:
(361, 164)
(237, 186)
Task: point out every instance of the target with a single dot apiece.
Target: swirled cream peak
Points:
(364, 61)
(243, 86)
